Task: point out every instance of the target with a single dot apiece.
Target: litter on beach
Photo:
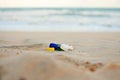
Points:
(50, 49)
(59, 47)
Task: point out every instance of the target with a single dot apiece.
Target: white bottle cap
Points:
(66, 47)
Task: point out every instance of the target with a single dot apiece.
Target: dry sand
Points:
(96, 56)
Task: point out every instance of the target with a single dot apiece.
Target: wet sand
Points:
(23, 56)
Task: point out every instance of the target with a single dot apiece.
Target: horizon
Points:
(67, 7)
(64, 7)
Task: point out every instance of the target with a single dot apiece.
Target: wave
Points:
(76, 18)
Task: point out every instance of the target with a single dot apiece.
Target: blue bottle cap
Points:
(54, 45)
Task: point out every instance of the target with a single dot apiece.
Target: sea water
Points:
(60, 19)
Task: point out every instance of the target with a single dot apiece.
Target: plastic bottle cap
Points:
(50, 49)
(59, 49)
(66, 47)
(54, 45)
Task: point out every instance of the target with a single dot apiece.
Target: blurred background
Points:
(60, 15)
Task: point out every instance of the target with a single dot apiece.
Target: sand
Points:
(23, 56)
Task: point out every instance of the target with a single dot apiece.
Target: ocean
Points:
(60, 19)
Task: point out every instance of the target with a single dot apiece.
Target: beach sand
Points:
(23, 56)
